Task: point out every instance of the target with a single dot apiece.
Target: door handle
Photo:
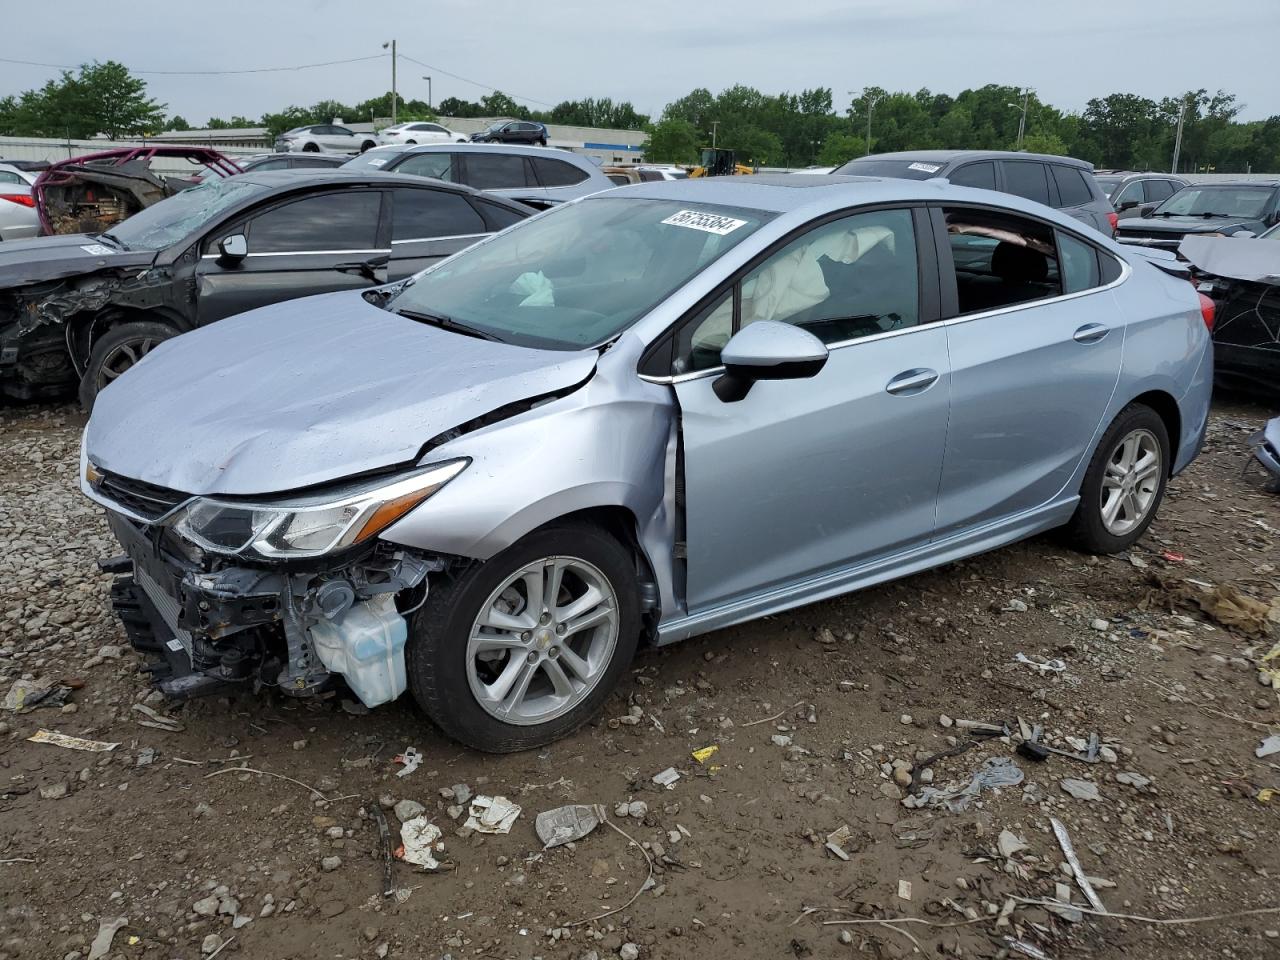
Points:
(912, 381)
(1090, 333)
(365, 268)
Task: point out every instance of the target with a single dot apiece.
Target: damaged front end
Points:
(286, 593)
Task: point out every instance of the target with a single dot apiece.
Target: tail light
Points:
(1113, 218)
(1206, 311)
(21, 199)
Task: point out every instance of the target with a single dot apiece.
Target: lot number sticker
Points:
(97, 250)
(707, 222)
(925, 167)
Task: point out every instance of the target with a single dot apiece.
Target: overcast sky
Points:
(653, 51)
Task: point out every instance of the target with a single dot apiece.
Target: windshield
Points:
(579, 274)
(1272, 234)
(498, 126)
(374, 159)
(177, 217)
(1247, 202)
(906, 169)
(1109, 184)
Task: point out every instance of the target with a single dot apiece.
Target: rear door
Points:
(1075, 191)
(427, 225)
(435, 164)
(316, 244)
(508, 173)
(342, 139)
(805, 477)
(1035, 344)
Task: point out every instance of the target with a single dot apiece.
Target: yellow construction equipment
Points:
(718, 162)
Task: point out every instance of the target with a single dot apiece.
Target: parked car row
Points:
(18, 217)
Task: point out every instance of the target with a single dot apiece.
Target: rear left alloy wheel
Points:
(1124, 484)
(524, 648)
(116, 352)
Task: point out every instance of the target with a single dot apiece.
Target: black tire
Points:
(367, 145)
(310, 148)
(110, 356)
(436, 651)
(1086, 529)
(542, 143)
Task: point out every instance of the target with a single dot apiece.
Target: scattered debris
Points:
(1269, 746)
(157, 721)
(1042, 666)
(794, 706)
(492, 815)
(837, 839)
(567, 824)
(107, 930)
(411, 759)
(1236, 610)
(419, 842)
(1009, 844)
(75, 743)
(904, 889)
(1034, 749)
(995, 772)
(408, 809)
(1068, 851)
(26, 695)
(667, 778)
(1026, 949)
(384, 849)
(703, 754)
(977, 728)
(1131, 779)
(1081, 789)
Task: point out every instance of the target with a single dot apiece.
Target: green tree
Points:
(498, 104)
(177, 122)
(1040, 142)
(101, 98)
(672, 140)
(840, 148)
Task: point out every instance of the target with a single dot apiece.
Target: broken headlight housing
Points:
(307, 526)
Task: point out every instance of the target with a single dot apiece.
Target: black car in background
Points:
(1131, 192)
(1063, 183)
(1246, 208)
(293, 161)
(512, 131)
(83, 308)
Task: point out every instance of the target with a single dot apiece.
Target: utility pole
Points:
(714, 124)
(1177, 140)
(394, 98)
(1022, 122)
(428, 79)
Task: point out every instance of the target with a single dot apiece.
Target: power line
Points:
(475, 83)
(206, 73)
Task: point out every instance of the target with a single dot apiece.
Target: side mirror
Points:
(233, 248)
(1126, 205)
(767, 350)
(1244, 234)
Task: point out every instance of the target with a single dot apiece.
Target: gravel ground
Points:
(818, 716)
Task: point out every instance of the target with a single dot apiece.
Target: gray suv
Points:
(1063, 183)
(1133, 193)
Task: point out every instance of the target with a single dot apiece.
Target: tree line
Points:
(1121, 130)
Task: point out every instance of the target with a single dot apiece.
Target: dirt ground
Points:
(809, 711)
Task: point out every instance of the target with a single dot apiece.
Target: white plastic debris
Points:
(667, 778)
(567, 824)
(1042, 666)
(1010, 844)
(421, 841)
(492, 815)
(71, 743)
(1269, 746)
(411, 759)
(107, 930)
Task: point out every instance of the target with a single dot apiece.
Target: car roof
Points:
(947, 156)
(301, 177)
(510, 148)
(1238, 183)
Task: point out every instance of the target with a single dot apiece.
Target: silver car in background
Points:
(419, 131)
(636, 418)
(18, 217)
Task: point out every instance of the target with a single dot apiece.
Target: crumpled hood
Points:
(52, 258)
(306, 392)
(1183, 225)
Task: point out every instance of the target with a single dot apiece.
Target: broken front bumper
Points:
(296, 629)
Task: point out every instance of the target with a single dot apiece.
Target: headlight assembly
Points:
(308, 526)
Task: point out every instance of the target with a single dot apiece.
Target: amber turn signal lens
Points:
(391, 511)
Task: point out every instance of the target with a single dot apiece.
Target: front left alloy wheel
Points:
(524, 648)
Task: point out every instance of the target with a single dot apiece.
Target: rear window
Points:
(905, 169)
(496, 171)
(1160, 189)
(1026, 178)
(1072, 187)
(981, 175)
(557, 173)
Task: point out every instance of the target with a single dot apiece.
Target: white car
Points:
(419, 131)
(324, 138)
(18, 217)
(669, 171)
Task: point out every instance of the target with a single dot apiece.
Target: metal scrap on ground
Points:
(71, 743)
(568, 823)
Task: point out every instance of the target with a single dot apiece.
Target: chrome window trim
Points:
(452, 236)
(299, 253)
(1125, 271)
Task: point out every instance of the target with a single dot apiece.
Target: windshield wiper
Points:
(113, 239)
(448, 323)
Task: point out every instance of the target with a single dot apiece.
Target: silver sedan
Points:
(18, 217)
(642, 416)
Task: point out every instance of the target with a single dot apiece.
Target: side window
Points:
(1026, 178)
(557, 173)
(277, 163)
(1000, 259)
(424, 214)
(699, 342)
(851, 278)
(1131, 194)
(9, 177)
(1072, 187)
(439, 166)
(340, 132)
(499, 217)
(495, 171)
(649, 176)
(981, 175)
(619, 178)
(1079, 264)
(1158, 190)
(330, 221)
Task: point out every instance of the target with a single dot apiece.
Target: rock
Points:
(1081, 789)
(461, 793)
(334, 833)
(1016, 606)
(54, 791)
(780, 740)
(369, 932)
(1107, 754)
(1135, 780)
(331, 908)
(944, 721)
(207, 907)
(330, 864)
(210, 943)
(629, 951)
(1010, 844)
(408, 809)
(825, 637)
(241, 921)
(110, 652)
(229, 906)
(622, 809)
(1102, 626)
(846, 937)
(386, 801)
(905, 719)
(902, 776)
(299, 744)
(637, 809)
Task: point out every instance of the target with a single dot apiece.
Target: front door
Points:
(803, 477)
(428, 225)
(318, 244)
(1034, 366)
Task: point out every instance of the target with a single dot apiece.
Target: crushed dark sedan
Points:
(82, 309)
